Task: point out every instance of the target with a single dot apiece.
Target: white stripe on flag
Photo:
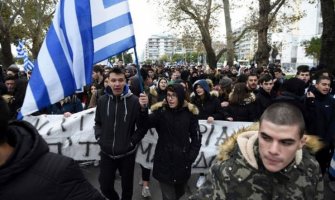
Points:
(102, 14)
(50, 75)
(113, 37)
(74, 36)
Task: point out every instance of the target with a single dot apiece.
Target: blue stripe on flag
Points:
(38, 86)
(59, 59)
(84, 22)
(109, 3)
(114, 49)
(63, 27)
(112, 25)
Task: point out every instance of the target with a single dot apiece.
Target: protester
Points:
(14, 95)
(209, 108)
(266, 95)
(178, 144)
(98, 75)
(66, 106)
(98, 93)
(303, 73)
(208, 104)
(29, 171)
(323, 119)
(269, 163)
(117, 113)
(242, 104)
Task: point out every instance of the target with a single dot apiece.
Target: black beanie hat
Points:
(180, 92)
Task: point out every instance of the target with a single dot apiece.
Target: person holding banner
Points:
(117, 113)
(178, 144)
(270, 163)
(29, 171)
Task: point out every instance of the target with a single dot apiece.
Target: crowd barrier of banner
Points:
(74, 137)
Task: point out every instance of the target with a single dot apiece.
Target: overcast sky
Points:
(145, 20)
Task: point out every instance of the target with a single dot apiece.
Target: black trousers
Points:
(108, 167)
(324, 157)
(172, 191)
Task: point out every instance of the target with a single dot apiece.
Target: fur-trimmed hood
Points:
(245, 139)
(250, 99)
(191, 107)
(212, 93)
(153, 91)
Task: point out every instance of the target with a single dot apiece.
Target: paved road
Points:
(92, 173)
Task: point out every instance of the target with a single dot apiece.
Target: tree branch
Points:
(279, 3)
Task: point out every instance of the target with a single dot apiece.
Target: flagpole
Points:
(138, 70)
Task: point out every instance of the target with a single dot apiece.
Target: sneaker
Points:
(201, 180)
(146, 192)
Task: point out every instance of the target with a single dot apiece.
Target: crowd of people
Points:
(179, 96)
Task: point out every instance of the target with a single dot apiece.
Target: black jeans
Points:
(172, 191)
(145, 173)
(324, 156)
(108, 167)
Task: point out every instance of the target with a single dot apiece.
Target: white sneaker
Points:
(201, 180)
(146, 192)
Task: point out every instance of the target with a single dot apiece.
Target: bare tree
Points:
(266, 15)
(9, 11)
(196, 18)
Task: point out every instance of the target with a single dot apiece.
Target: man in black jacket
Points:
(117, 113)
(324, 119)
(29, 171)
(266, 95)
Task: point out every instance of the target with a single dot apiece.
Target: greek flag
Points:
(82, 33)
(22, 53)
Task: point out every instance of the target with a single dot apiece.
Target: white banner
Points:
(74, 137)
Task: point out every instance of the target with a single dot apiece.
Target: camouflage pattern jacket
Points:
(239, 174)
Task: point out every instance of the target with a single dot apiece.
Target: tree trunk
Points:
(207, 42)
(6, 50)
(229, 33)
(263, 49)
(327, 56)
(211, 56)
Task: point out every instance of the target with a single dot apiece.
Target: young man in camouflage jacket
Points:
(271, 163)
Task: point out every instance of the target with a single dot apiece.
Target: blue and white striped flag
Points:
(83, 32)
(20, 50)
(22, 53)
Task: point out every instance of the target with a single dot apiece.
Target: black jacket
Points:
(32, 172)
(179, 142)
(264, 100)
(245, 111)
(323, 120)
(208, 107)
(115, 121)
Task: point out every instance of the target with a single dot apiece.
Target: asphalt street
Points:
(92, 173)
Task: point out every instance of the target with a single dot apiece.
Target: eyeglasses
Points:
(171, 96)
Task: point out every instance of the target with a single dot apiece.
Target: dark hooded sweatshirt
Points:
(115, 120)
(32, 172)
